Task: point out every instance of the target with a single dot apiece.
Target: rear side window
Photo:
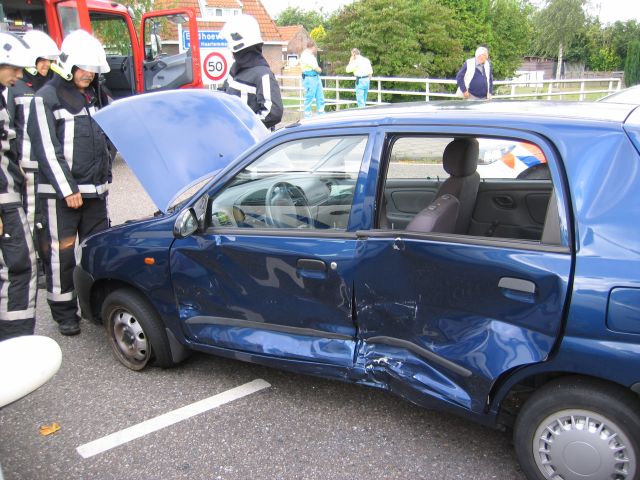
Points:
(465, 185)
(421, 157)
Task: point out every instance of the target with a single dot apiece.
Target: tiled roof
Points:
(217, 26)
(255, 8)
(224, 3)
(268, 27)
(288, 32)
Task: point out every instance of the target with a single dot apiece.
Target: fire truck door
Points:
(170, 60)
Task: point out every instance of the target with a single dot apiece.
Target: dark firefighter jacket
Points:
(20, 96)
(11, 178)
(251, 79)
(70, 147)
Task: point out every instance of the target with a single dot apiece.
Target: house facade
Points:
(213, 14)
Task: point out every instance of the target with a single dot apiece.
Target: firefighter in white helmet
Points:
(250, 77)
(17, 255)
(20, 95)
(74, 168)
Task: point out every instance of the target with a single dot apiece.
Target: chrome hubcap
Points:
(129, 337)
(580, 444)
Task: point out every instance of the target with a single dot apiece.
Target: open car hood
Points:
(173, 139)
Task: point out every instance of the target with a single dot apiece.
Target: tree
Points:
(404, 38)
(504, 26)
(113, 33)
(430, 38)
(622, 35)
(509, 36)
(556, 25)
(473, 16)
(296, 16)
(587, 44)
(632, 65)
(318, 34)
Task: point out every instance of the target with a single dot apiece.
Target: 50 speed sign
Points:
(215, 66)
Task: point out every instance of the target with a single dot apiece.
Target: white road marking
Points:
(149, 426)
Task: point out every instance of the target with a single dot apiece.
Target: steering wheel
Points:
(283, 202)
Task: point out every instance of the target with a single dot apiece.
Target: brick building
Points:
(295, 38)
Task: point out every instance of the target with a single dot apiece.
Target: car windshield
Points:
(190, 191)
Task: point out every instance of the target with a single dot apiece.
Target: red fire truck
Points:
(152, 61)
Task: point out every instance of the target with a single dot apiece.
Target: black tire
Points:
(551, 440)
(135, 332)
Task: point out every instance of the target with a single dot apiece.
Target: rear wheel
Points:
(578, 428)
(135, 332)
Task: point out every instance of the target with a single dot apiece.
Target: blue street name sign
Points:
(208, 39)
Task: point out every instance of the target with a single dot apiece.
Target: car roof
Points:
(494, 112)
(629, 95)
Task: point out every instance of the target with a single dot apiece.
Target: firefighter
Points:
(17, 255)
(20, 96)
(250, 77)
(74, 168)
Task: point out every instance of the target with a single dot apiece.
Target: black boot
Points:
(69, 327)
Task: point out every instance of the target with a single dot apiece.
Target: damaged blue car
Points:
(366, 246)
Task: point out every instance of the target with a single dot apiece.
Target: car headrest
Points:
(460, 157)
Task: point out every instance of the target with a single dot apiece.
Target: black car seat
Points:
(439, 216)
(460, 160)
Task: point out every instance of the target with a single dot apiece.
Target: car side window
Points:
(466, 185)
(301, 184)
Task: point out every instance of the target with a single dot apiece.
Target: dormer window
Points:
(221, 13)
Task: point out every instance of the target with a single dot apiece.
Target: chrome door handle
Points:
(518, 289)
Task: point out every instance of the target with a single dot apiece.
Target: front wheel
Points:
(135, 332)
(579, 429)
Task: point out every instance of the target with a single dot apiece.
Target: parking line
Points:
(149, 426)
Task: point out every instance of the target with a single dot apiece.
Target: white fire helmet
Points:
(42, 45)
(82, 50)
(15, 52)
(241, 32)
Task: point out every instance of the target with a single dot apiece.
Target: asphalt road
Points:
(298, 428)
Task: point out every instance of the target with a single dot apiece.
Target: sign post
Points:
(215, 66)
(214, 55)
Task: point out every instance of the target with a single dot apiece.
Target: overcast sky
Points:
(609, 10)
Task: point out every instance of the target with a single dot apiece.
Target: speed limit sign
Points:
(215, 66)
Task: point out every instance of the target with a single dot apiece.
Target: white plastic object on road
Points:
(26, 363)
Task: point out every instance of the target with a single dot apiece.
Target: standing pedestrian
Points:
(361, 67)
(250, 77)
(475, 78)
(20, 96)
(74, 168)
(17, 255)
(311, 80)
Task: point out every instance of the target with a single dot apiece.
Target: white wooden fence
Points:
(340, 90)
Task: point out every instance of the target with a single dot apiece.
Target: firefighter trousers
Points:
(58, 229)
(17, 275)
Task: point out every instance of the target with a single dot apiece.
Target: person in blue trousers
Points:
(361, 68)
(311, 80)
